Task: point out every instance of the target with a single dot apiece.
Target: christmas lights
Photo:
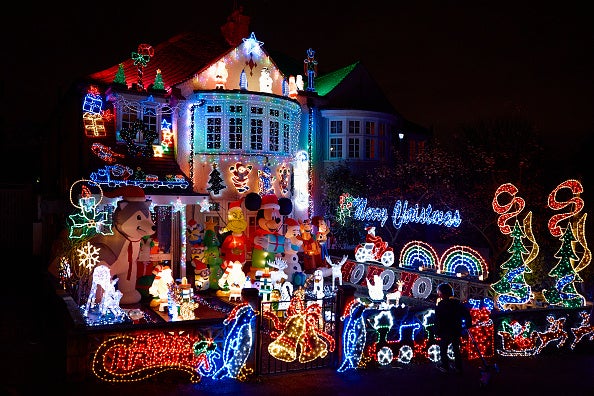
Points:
(238, 344)
(512, 287)
(418, 255)
(136, 357)
(300, 328)
(564, 292)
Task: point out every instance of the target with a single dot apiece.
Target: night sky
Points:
(441, 65)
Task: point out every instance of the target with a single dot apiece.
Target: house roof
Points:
(326, 83)
(178, 58)
(352, 87)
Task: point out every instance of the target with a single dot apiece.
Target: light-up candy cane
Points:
(141, 59)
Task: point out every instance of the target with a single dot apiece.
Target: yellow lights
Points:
(300, 329)
(135, 358)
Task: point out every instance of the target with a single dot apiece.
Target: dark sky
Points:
(441, 63)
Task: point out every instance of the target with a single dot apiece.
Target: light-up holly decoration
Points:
(512, 288)
(88, 222)
(565, 272)
(299, 329)
(141, 58)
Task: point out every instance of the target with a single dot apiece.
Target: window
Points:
(145, 112)
(274, 136)
(369, 128)
(369, 148)
(382, 150)
(256, 133)
(382, 129)
(257, 110)
(354, 127)
(129, 115)
(213, 133)
(235, 109)
(149, 118)
(235, 133)
(274, 112)
(286, 138)
(335, 127)
(354, 148)
(335, 147)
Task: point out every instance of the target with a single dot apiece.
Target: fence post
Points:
(251, 296)
(344, 295)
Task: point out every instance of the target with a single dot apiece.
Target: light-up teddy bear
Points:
(160, 287)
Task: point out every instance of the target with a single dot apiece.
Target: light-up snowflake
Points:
(88, 256)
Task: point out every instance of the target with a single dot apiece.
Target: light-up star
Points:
(252, 45)
(165, 124)
(204, 205)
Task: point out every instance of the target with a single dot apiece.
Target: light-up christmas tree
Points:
(215, 181)
(512, 287)
(565, 294)
(158, 84)
(120, 77)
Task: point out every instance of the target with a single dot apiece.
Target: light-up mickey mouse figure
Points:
(268, 242)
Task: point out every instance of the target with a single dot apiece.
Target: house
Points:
(199, 122)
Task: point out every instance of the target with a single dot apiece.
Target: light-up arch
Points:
(463, 256)
(418, 255)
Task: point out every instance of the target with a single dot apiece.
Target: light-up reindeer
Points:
(554, 332)
(336, 270)
(583, 330)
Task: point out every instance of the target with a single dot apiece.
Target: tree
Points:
(120, 77)
(512, 287)
(564, 293)
(215, 181)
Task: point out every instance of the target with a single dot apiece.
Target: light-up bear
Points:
(160, 287)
